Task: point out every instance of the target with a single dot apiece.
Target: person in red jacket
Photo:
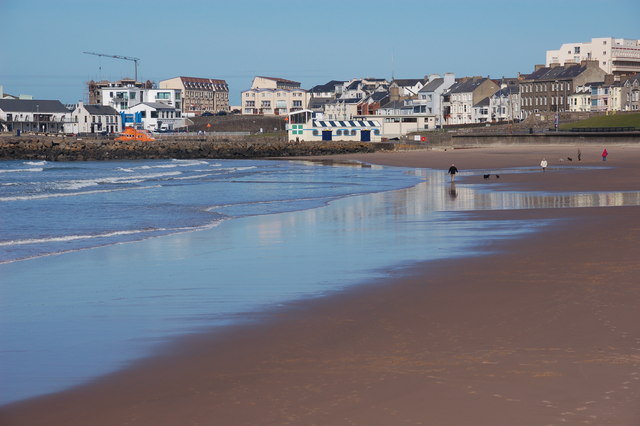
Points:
(604, 155)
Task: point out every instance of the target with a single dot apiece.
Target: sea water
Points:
(105, 262)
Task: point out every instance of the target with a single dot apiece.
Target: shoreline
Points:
(550, 336)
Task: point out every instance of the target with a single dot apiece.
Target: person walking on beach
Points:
(604, 155)
(452, 171)
(543, 164)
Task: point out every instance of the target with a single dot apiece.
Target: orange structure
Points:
(131, 134)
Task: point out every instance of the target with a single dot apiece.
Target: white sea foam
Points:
(84, 183)
(66, 238)
(32, 169)
(150, 233)
(35, 163)
(71, 194)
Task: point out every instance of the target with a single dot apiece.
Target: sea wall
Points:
(73, 149)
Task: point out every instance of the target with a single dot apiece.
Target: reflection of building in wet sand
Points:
(425, 200)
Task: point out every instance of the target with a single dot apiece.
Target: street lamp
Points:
(38, 118)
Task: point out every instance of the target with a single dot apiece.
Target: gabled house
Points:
(480, 113)
(371, 104)
(504, 105)
(430, 96)
(96, 119)
(628, 93)
(408, 88)
(461, 97)
(34, 115)
(323, 94)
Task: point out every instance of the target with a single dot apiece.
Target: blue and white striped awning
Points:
(343, 124)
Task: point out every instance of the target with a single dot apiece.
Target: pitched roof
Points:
(433, 85)
(100, 110)
(279, 80)
(506, 91)
(393, 105)
(155, 105)
(483, 102)
(32, 105)
(466, 85)
(557, 73)
(195, 83)
(327, 87)
(408, 81)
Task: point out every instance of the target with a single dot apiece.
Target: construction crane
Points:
(126, 58)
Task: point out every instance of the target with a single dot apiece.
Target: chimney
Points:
(537, 67)
(554, 65)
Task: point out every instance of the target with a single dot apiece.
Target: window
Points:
(297, 103)
(154, 114)
(339, 133)
(576, 50)
(163, 95)
(315, 133)
(353, 132)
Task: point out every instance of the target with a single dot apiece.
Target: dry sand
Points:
(545, 332)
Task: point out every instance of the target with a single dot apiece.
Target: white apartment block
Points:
(123, 98)
(200, 95)
(274, 96)
(617, 56)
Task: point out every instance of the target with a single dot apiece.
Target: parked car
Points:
(207, 114)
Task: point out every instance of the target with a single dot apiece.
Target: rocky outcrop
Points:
(72, 149)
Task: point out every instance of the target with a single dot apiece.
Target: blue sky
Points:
(307, 41)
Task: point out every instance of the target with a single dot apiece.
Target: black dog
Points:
(497, 176)
(487, 176)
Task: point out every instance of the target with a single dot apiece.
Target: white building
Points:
(616, 56)
(123, 98)
(274, 96)
(430, 96)
(463, 95)
(34, 115)
(96, 119)
(306, 126)
(154, 117)
(504, 105)
(580, 100)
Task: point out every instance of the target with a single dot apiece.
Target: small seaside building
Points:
(34, 115)
(153, 116)
(306, 126)
(96, 119)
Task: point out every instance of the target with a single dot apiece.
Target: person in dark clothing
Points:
(452, 171)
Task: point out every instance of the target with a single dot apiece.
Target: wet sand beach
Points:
(541, 330)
